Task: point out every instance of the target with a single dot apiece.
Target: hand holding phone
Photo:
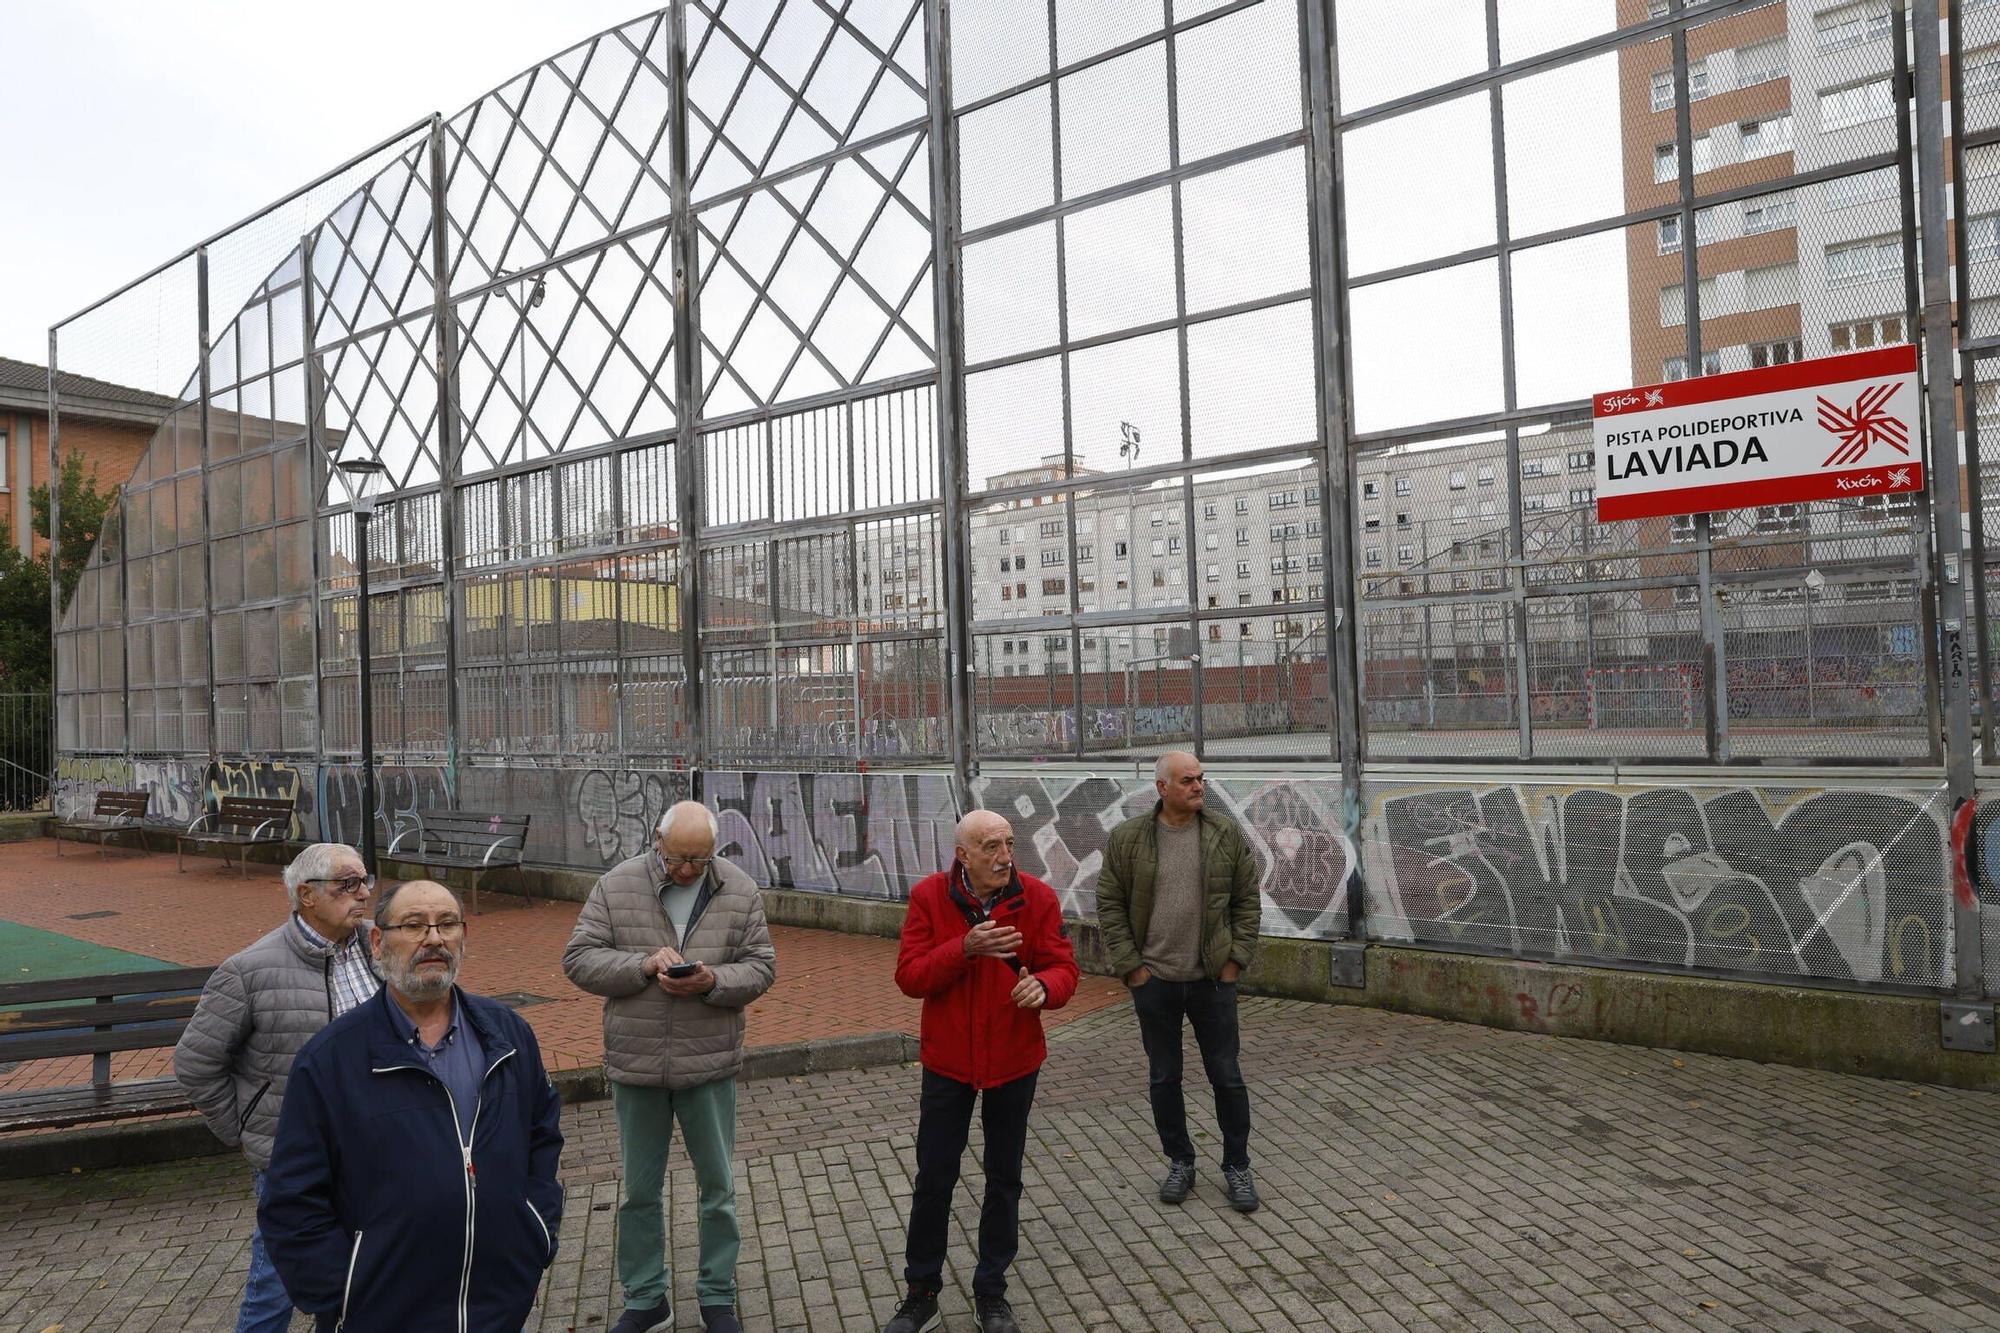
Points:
(682, 969)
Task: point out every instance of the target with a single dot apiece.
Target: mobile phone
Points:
(683, 969)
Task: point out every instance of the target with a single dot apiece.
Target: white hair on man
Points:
(1163, 767)
(688, 810)
(315, 862)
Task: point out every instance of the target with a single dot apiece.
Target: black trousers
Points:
(1211, 1007)
(943, 1124)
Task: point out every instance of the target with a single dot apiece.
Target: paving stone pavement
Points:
(1416, 1175)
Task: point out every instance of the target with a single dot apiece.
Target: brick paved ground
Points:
(1417, 1175)
(201, 917)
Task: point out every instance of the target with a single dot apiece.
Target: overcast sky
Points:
(136, 129)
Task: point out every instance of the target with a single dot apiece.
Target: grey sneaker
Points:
(1242, 1190)
(994, 1314)
(1179, 1180)
(917, 1314)
(646, 1321)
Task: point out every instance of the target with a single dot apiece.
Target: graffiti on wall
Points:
(400, 793)
(616, 810)
(265, 780)
(177, 787)
(78, 780)
(1305, 858)
(1839, 884)
(869, 834)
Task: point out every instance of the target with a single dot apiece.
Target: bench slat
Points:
(63, 1018)
(90, 1043)
(164, 981)
(50, 1108)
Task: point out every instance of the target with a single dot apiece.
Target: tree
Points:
(83, 511)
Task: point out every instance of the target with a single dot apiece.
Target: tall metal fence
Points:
(26, 757)
(870, 408)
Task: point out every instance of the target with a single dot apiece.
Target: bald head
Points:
(1182, 786)
(986, 851)
(685, 840)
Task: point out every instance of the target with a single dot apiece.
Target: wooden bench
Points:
(133, 1011)
(464, 840)
(114, 812)
(241, 822)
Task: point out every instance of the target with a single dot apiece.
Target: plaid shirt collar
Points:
(353, 972)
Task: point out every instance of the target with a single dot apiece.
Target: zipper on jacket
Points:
(244, 1119)
(471, 1175)
(353, 1258)
(327, 976)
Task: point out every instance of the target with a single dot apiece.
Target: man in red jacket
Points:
(985, 949)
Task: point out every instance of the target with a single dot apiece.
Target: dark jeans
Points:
(1211, 1007)
(942, 1126)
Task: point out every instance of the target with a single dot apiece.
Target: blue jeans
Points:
(267, 1307)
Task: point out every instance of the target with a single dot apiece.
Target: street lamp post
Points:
(360, 471)
(1814, 581)
(1128, 449)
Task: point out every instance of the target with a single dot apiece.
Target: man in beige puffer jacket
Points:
(675, 940)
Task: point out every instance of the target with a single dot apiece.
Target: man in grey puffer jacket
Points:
(259, 1010)
(675, 940)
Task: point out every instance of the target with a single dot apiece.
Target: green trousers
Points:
(645, 1130)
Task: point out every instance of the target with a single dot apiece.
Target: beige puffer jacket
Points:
(651, 1038)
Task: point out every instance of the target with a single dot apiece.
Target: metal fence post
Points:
(1328, 222)
(687, 400)
(450, 437)
(952, 476)
(202, 349)
(1967, 946)
(55, 580)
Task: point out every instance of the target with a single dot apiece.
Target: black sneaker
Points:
(994, 1314)
(646, 1321)
(917, 1314)
(720, 1319)
(1179, 1180)
(1242, 1190)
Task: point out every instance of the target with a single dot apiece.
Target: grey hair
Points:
(1162, 767)
(313, 863)
(396, 886)
(673, 813)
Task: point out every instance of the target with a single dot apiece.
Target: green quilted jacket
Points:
(1230, 913)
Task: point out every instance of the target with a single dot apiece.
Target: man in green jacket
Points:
(1178, 906)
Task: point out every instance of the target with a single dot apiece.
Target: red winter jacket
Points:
(972, 1031)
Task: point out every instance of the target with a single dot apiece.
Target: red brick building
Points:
(109, 424)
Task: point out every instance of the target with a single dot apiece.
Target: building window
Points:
(1532, 467)
(1208, 509)
(1770, 287)
(1582, 495)
(1673, 303)
(1051, 558)
(1851, 25)
(1371, 490)
(1402, 485)
(1373, 558)
(1489, 509)
(1004, 537)
(1458, 516)
(1856, 105)
(1404, 555)
(1052, 529)
(1242, 569)
(1866, 188)
(1780, 353)
(1213, 574)
(1154, 519)
(1666, 159)
(1159, 547)
(1242, 504)
(1210, 541)
(1780, 518)
(1086, 553)
(1763, 138)
(1242, 536)
(1982, 70)
(1485, 474)
(1982, 237)
(1118, 550)
(1771, 213)
(1534, 504)
(1663, 84)
(1054, 587)
(1676, 367)
(1761, 62)
(1581, 460)
(1174, 545)
(1670, 230)
(1872, 260)
(1861, 334)
(1402, 518)
(1458, 479)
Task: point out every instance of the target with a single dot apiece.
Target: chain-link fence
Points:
(791, 387)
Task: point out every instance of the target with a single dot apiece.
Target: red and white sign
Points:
(1830, 429)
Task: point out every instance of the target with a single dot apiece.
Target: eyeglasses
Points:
(414, 931)
(698, 862)
(352, 886)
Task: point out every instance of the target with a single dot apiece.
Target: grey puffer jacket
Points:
(651, 1038)
(257, 1011)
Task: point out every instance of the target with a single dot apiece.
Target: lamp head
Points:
(359, 471)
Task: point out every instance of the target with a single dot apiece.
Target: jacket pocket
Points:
(347, 1290)
(548, 1241)
(244, 1119)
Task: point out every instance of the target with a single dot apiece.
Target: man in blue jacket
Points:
(413, 1181)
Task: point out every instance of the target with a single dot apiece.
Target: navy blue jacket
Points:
(375, 1213)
